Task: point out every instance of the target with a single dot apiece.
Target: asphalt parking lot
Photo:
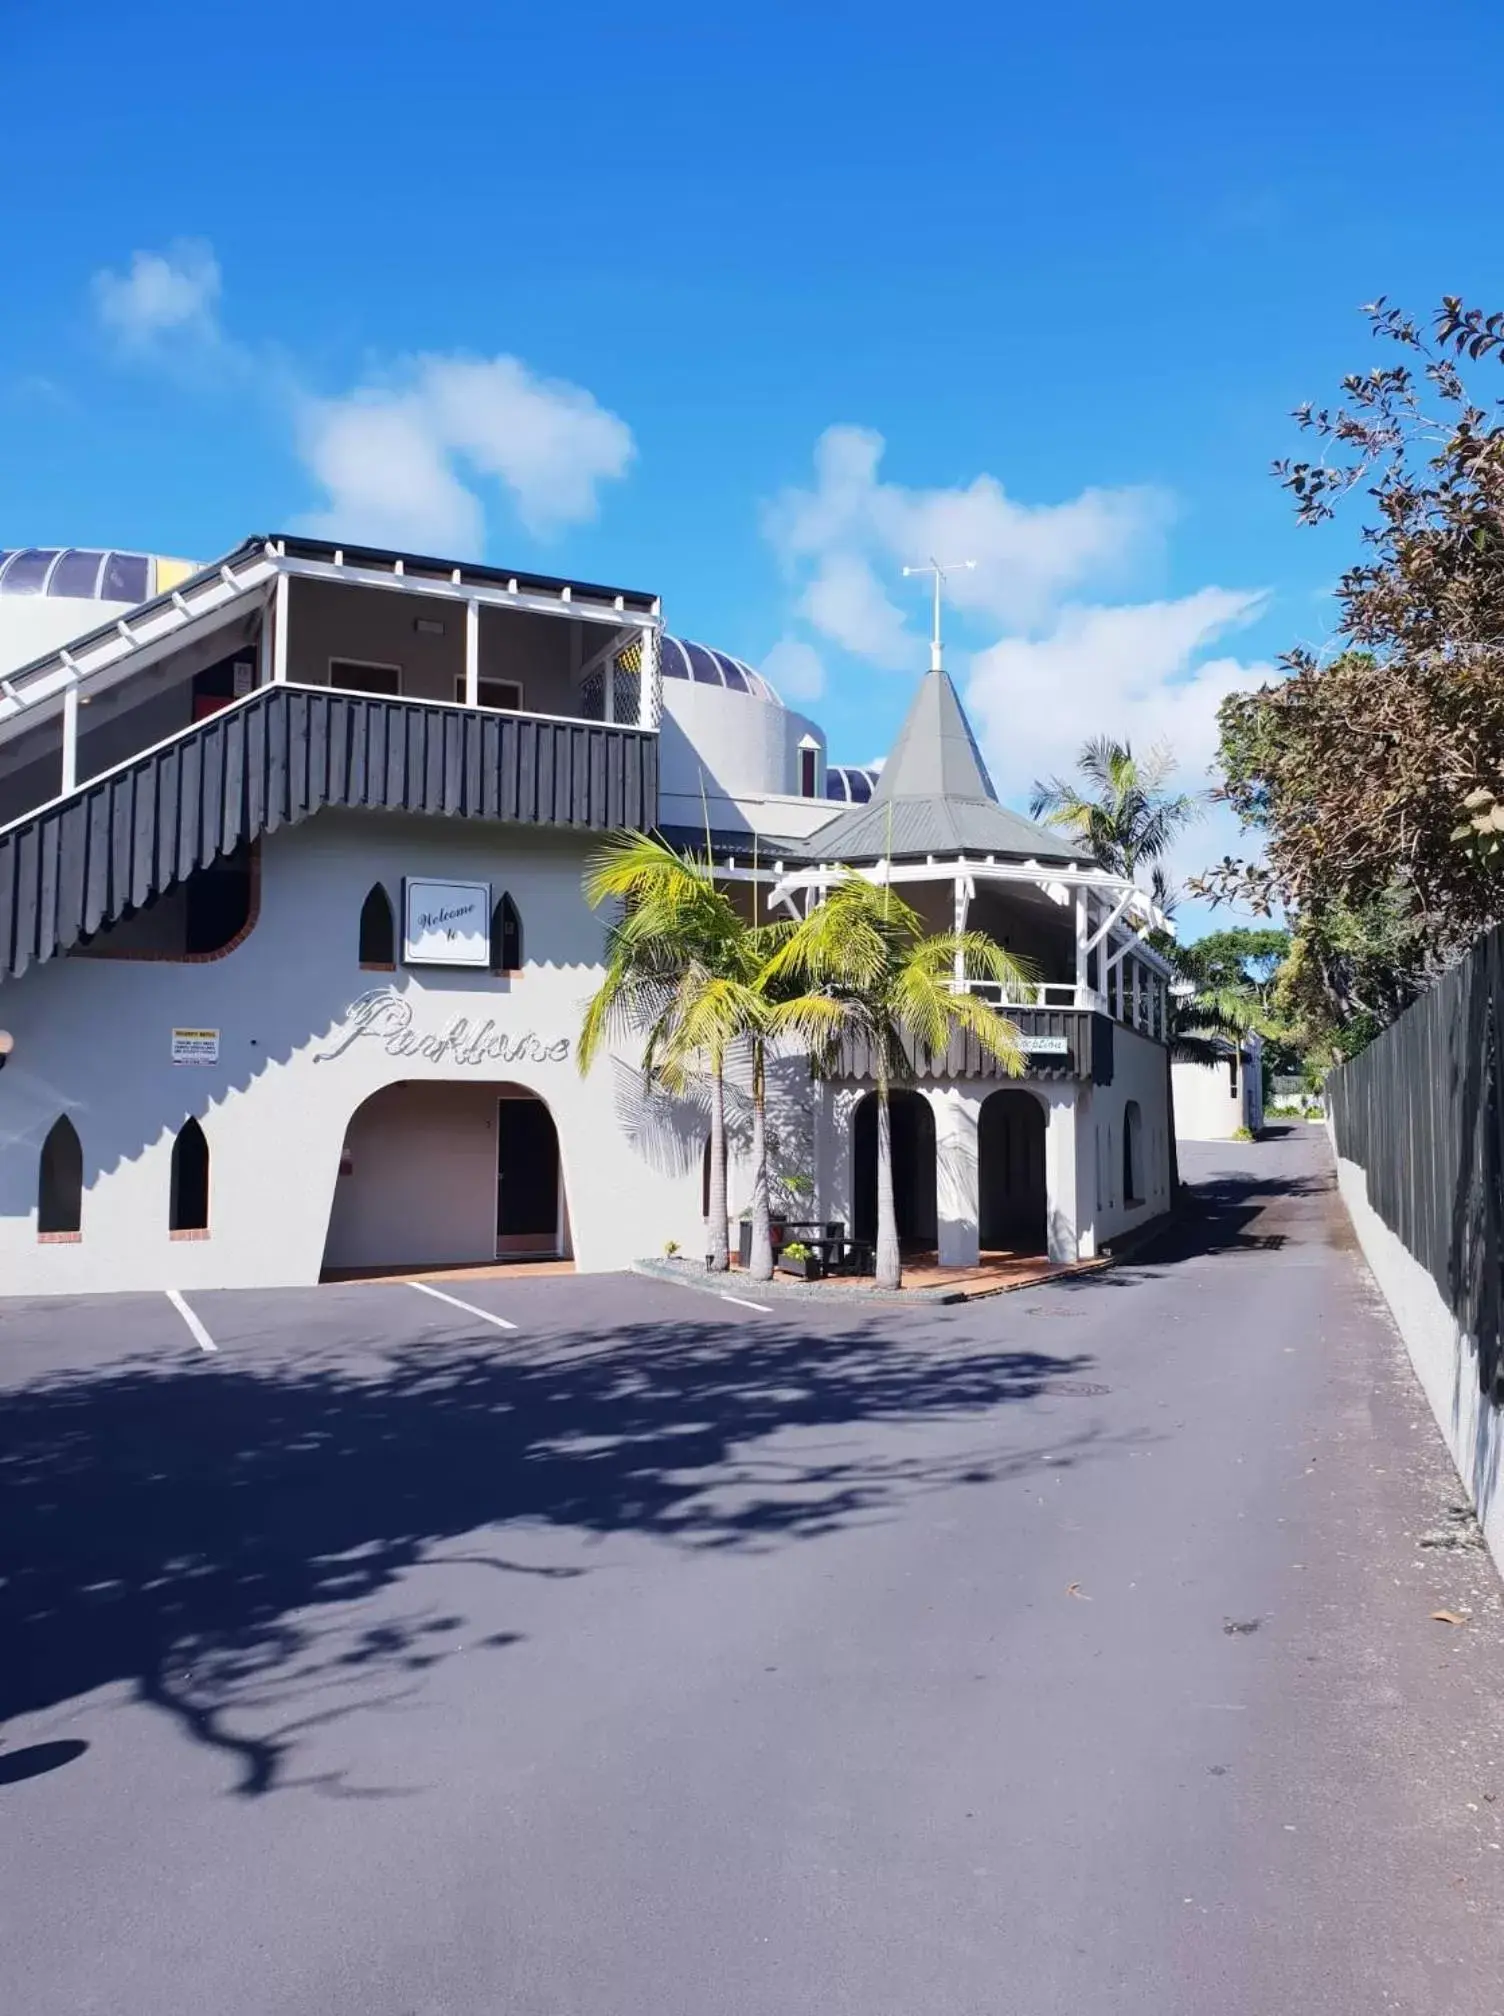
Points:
(663, 1655)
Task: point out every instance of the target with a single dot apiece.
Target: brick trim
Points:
(95, 950)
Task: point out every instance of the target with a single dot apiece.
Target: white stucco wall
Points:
(717, 746)
(1445, 1359)
(957, 1105)
(92, 1038)
(1206, 1106)
(417, 1186)
(1138, 1073)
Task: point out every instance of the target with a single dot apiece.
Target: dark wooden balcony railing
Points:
(275, 758)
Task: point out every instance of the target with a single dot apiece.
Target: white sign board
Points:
(446, 923)
(195, 1046)
(1045, 1046)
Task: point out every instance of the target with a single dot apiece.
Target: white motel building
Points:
(293, 951)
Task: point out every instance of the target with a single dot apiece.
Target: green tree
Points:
(872, 980)
(1122, 812)
(1365, 775)
(691, 977)
(673, 978)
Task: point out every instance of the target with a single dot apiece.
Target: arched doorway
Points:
(913, 1134)
(1011, 1194)
(436, 1174)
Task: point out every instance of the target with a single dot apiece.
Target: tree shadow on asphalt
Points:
(205, 1533)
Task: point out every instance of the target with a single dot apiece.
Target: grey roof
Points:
(934, 797)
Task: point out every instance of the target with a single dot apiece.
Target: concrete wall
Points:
(92, 1038)
(1138, 1074)
(729, 745)
(1210, 1107)
(1445, 1359)
(417, 1183)
(957, 1104)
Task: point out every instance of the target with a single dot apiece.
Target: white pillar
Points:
(70, 736)
(957, 1192)
(960, 907)
(1083, 932)
(1069, 1111)
(472, 654)
(279, 631)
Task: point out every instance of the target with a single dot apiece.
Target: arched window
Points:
(1133, 1155)
(188, 1208)
(378, 931)
(506, 937)
(60, 1180)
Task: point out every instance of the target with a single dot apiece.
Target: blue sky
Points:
(748, 307)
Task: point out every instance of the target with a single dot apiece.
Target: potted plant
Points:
(800, 1260)
(744, 1236)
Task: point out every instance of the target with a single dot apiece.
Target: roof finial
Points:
(939, 573)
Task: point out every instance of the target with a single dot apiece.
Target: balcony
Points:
(276, 757)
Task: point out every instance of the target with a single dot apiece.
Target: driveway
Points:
(660, 1656)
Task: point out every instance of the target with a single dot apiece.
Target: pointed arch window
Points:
(60, 1182)
(1133, 1154)
(506, 937)
(188, 1208)
(378, 931)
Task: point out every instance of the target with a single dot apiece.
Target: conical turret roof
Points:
(934, 797)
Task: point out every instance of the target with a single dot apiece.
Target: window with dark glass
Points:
(378, 930)
(60, 1179)
(506, 937)
(188, 1206)
(350, 676)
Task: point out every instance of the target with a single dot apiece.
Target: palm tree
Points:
(674, 977)
(686, 972)
(875, 982)
(1124, 816)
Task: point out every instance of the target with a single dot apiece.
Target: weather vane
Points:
(934, 567)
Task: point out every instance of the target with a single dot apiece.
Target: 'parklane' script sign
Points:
(387, 1017)
(1045, 1046)
(446, 923)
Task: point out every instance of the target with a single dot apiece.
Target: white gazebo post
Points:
(1083, 934)
(472, 654)
(961, 906)
(70, 735)
(957, 1177)
(647, 687)
(279, 631)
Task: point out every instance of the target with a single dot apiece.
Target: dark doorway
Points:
(527, 1179)
(1014, 1208)
(913, 1169)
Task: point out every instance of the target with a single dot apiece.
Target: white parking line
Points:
(468, 1307)
(761, 1307)
(196, 1329)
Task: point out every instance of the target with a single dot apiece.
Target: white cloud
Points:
(411, 456)
(389, 481)
(395, 458)
(846, 603)
(795, 669)
(851, 531)
(1135, 672)
(161, 297)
